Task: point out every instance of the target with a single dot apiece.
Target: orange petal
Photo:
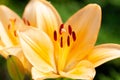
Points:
(42, 14)
(38, 49)
(1, 47)
(5, 39)
(83, 70)
(10, 22)
(103, 53)
(85, 26)
(37, 75)
(16, 51)
(1, 42)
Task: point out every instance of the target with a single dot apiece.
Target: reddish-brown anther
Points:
(15, 33)
(70, 29)
(68, 40)
(73, 36)
(61, 42)
(55, 35)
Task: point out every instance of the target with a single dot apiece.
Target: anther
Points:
(68, 40)
(61, 27)
(24, 20)
(55, 35)
(73, 36)
(9, 26)
(61, 42)
(14, 20)
(70, 29)
(28, 23)
(15, 33)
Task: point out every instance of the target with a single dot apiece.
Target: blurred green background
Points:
(109, 32)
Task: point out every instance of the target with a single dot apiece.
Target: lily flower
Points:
(10, 22)
(64, 50)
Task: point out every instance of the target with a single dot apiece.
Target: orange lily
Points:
(10, 22)
(64, 50)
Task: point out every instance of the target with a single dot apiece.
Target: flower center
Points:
(70, 34)
(11, 27)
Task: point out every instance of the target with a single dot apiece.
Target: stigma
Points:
(58, 36)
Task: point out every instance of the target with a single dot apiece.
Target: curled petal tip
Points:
(104, 53)
(95, 5)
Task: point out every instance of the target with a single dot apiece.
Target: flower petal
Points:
(5, 39)
(10, 22)
(5, 52)
(103, 53)
(83, 70)
(37, 75)
(42, 14)
(16, 51)
(85, 26)
(38, 49)
(1, 43)
(1, 47)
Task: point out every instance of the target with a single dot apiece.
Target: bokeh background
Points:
(109, 32)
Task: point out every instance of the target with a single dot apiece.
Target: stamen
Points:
(68, 41)
(73, 36)
(61, 42)
(9, 26)
(55, 35)
(28, 23)
(70, 29)
(15, 33)
(14, 20)
(61, 27)
(24, 20)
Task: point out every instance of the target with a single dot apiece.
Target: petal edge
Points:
(103, 53)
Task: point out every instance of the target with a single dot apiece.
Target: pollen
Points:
(61, 36)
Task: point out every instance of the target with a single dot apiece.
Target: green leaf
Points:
(15, 68)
